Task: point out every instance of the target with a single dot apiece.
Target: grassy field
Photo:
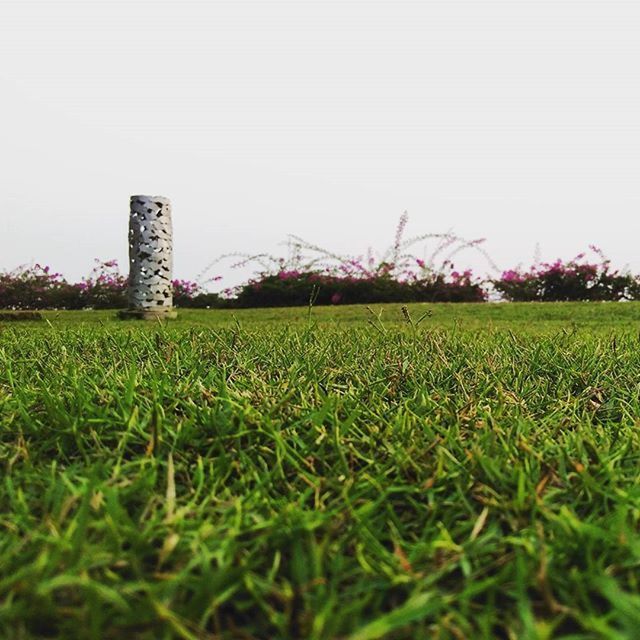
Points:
(326, 474)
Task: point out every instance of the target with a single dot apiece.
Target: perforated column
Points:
(150, 254)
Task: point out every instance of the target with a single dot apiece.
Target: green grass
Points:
(263, 474)
(528, 317)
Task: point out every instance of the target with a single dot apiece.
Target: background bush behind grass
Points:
(342, 280)
(270, 474)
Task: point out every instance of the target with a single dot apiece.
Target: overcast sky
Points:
(514, 120)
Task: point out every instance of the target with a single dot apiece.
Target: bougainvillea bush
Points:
(106, 288)
(293, 288)
(576, 279)
(311, 274)
(189, 294)
(38, 287)
(308, 273)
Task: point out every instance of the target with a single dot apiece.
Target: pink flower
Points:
(511, 276)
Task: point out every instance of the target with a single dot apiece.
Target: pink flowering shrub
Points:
(105, 288)
(275, 291)
(38, 287)
(354, 282)
(311, 273)
(576, 279)
(397, 275)
(189, 294)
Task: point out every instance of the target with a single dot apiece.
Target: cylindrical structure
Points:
(150, 257)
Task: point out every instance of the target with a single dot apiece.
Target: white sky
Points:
(514, 120)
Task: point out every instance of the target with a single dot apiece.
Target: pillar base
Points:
(148, 314)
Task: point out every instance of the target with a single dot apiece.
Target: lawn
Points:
(324, 473)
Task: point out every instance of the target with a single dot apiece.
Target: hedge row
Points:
(577, 279)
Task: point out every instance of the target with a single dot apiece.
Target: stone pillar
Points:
(150, 259)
